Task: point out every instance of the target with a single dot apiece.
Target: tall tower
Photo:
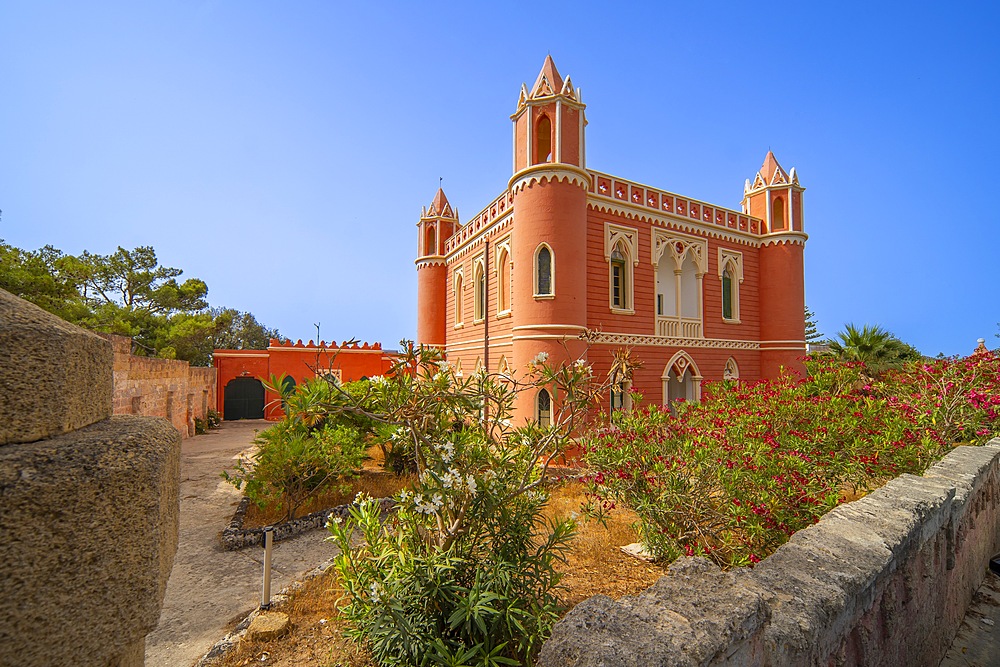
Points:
(549, 240)
(437, 223)
(775, 196)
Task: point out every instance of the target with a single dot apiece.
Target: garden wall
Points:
(884, 580)
(164, 388)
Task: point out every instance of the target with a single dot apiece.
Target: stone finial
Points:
(981, 347)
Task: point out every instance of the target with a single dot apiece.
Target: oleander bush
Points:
(465, 572)
(732, 477)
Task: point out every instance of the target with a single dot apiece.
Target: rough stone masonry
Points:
(884, 580)
(88, 502)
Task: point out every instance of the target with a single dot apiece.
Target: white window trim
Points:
(501, 247)
(477, 294)
(552, 272)
(734, 260)
(629, 238)
(459, 295)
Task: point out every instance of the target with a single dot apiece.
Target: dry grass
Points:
(372, 480)
(595, 564)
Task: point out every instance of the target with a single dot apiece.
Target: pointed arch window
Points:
(778, 214)
(479, 297)
(543, 408)
(459, 290)
(543, 140)
(544, 271)
(620, 250)
(681, 381)
(727, 294)
(430, 241)
(503, 281)
(731, 276)
(732, 371)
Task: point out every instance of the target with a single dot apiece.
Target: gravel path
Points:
(210, 590)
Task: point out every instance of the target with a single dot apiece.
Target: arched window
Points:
(732, 371)
(727, 294)
(480, 294)
(544, 273)
(621, 277)
(430, 241)
(621, 398)
(459, 297)
(543, 140)
(730, 275)
(504, 367)
(681, 380)
(543, 404)
(778, 214)
(503, 281)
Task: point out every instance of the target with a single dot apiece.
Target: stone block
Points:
(697, 615)
(90, 525)
(268, 626)
(55, 378)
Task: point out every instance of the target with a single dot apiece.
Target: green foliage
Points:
(128, 293)
(465, 571)
(812, 330)
(44, 277)
(872, 345)
(211, 421)
(299, 456)
(733, 477)
(237, 330)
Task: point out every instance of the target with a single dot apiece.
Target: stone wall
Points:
(884, 580)
(88, 501)
(166, 388)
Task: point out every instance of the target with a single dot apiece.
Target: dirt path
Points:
(210, 589)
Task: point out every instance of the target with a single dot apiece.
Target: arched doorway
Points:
(243, 398)
(681, 380)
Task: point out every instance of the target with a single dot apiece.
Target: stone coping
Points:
(235, 536)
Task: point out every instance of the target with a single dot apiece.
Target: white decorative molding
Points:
(680, 222)
(792, 238)
(561, 173)
(430, 261)
(661, 341)
(732, 258)
(678, 246)
(614, 233)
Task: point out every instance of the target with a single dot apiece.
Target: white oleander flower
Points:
(540, 358)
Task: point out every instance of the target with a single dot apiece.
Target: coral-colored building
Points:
(697, 291)
(241, 394)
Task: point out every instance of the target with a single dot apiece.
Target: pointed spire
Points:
(440, 206)
(771, 172)
(548, 82)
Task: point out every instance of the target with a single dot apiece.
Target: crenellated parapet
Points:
(332, 346)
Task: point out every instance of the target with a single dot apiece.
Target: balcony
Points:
(678, 327)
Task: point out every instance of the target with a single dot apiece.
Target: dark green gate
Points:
(243, 399)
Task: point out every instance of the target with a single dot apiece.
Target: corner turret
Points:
(775, 196)
(437, 223)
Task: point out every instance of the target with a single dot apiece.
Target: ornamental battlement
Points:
(663, 202)
(323, 345)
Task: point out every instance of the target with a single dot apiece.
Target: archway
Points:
(243, 398)
(681, 380)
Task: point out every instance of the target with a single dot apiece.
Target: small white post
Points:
(265, 594)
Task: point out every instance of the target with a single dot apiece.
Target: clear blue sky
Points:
(281, 151)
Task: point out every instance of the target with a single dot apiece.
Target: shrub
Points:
(300, 456)
(465, 572)
(733, 477)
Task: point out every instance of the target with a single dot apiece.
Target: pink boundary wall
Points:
(166, 388)
(884, 580)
